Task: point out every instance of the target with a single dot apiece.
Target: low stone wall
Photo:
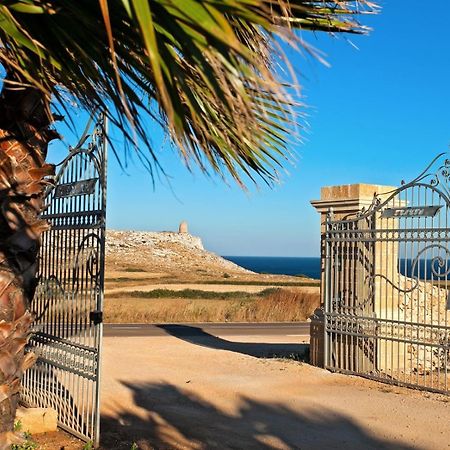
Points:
(418, 305)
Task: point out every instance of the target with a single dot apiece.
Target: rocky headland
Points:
(164, 251)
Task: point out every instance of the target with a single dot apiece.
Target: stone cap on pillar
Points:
(348, 198)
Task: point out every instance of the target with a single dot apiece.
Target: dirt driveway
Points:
(167, 393)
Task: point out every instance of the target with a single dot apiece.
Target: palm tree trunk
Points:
(24, 135)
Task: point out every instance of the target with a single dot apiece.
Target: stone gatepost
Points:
(342, 201)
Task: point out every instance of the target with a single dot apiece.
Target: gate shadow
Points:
(172, 418)
(198, 336)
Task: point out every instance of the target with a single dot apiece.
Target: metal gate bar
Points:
(387, 271)
(69, 297)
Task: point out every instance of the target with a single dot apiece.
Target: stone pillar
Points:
(345, 200)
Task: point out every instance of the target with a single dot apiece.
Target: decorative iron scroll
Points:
(435, 177)
(436, 264)
(387, 284)
(69, 296)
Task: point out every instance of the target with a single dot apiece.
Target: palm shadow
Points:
(198, 336)
(172, 418)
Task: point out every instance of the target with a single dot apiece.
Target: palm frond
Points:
(201, 69)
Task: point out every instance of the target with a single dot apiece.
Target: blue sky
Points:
(378, 115)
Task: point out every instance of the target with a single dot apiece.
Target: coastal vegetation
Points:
(191, 294)
(168, 306)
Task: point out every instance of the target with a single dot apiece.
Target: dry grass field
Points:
(271, 305)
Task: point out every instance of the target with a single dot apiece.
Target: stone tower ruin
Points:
(183, 228)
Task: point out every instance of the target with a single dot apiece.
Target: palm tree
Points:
(204, 70)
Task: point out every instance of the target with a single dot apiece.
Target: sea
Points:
(424, 269)
(280, 265)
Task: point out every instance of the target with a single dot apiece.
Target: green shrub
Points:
(185, 293)
(133, 269)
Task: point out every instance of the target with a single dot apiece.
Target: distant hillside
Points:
(165, 252)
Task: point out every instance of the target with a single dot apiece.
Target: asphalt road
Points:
(216, 329)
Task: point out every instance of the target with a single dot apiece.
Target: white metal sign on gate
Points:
(69, 297)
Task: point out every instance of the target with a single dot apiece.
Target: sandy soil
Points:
(59, 440)
(167, 393)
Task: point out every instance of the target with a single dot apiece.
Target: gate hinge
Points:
(96, 317)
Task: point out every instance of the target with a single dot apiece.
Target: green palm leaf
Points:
(201, 69)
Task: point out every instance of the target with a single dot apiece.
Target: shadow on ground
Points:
(171, 418)
(198, 336)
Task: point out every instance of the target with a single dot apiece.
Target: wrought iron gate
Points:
(69, 297)
(387, 285)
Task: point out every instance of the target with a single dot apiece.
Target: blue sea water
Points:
(423, 269)
(309, 266)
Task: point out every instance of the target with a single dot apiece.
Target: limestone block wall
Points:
(420, 303)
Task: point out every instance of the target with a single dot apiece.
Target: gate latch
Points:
(96, 317)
